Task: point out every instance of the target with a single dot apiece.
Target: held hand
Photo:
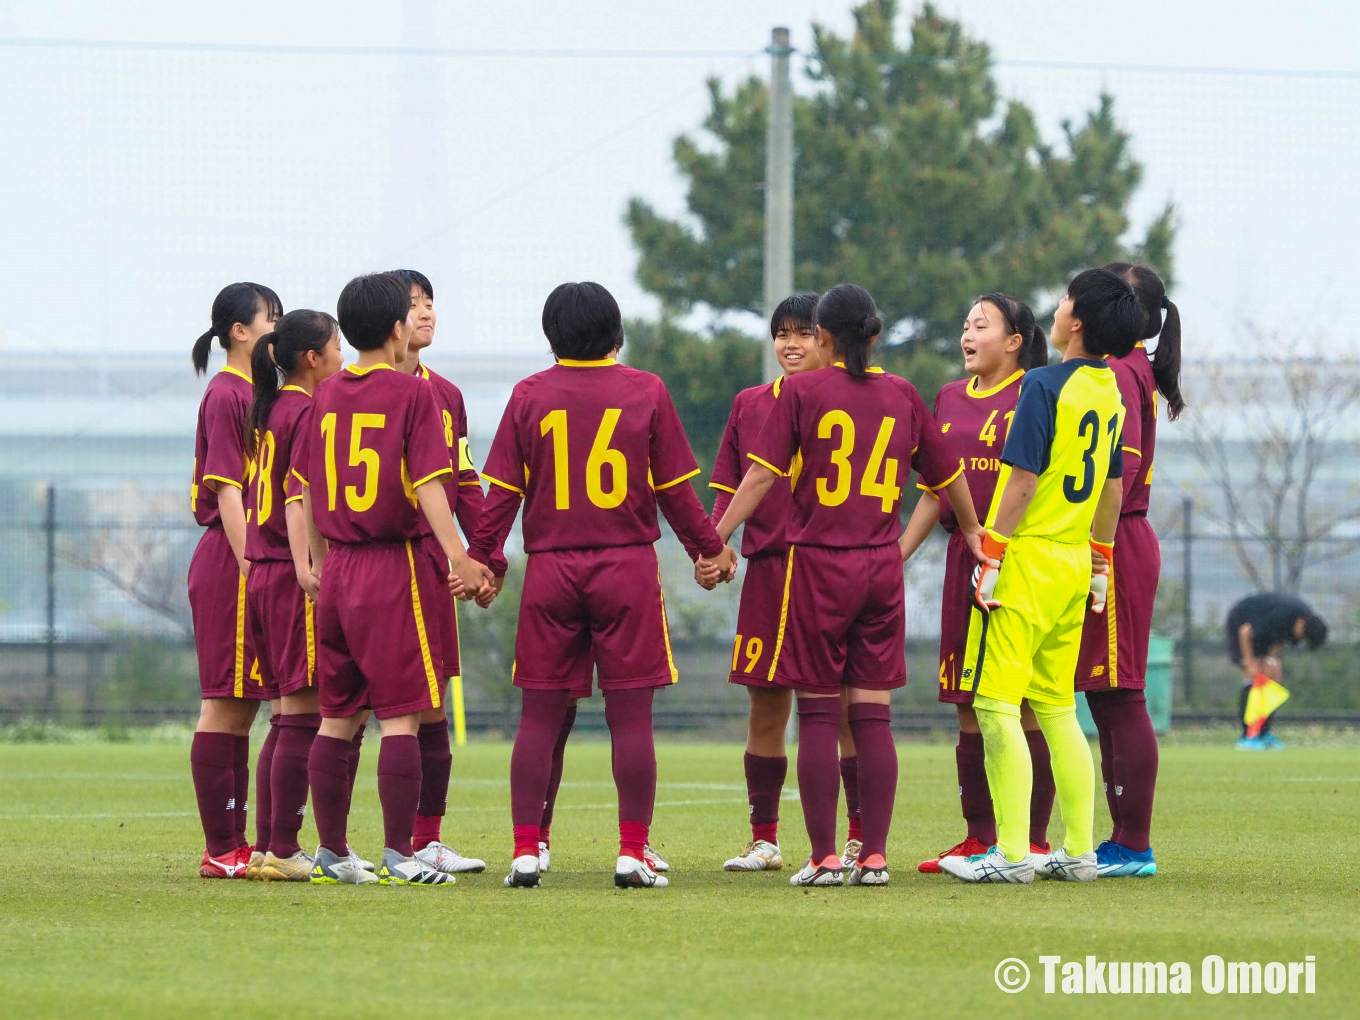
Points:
(484, 600)
(469, 579)
(1102, 560)
(727, 561)
(991, 550)
(706, 574)
(311, 585)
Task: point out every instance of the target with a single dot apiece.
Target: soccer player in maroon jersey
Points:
(463, 489)
(1112, 669)
(592, 448)
(230, 684)
(286, 367)
(373, 452)
(842, 620)
(1000, 342)
(764, 547)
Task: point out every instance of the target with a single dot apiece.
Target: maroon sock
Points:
(764, 783)
(555, 777)
(1043, 790)
(1099, 704)
(241, 768)
(399, 779)
(974, 794)
(210, 762)
(540, 723)
(436, 761)
(628, 715)
(356, 745)
(819, 788)
(1135, 765)
(872, 727)
(850, 780)
(328, 774)
(288, 780)
(263, 812)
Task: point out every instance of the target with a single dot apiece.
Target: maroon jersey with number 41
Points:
(219, 443)
(373, 436)
(860, 439)
(267, 530)
(974, 424)
(763, 532)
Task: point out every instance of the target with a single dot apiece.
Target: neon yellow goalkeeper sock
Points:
(1010, 774)
(1073, 773)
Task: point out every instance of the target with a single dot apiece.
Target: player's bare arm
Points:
(752, 490)
(969, 526)
(920, 526)
(296, 517)
(1250, 664)
(231, 505)
(477, 579)
(1014, 502)
(316, 542)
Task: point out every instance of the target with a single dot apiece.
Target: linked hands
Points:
(470, 580)
(723, 567)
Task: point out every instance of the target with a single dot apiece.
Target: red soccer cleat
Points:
(967, 848)
(229, 865)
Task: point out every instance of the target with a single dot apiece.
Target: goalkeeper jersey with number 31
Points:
(1067, 429)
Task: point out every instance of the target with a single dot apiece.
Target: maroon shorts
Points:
(282, 627)
(374, 647)
(762, 595)
(227, 667)
(955, 611)
(443, 614)
(842, 620)
(600, 607)
(1114, 644)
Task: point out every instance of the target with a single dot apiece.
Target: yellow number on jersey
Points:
(448, 429)
(988, 433)
(754, 648)
(888, 490)
(600, 455)
(264, 490)
(359, 455)
(836, 495)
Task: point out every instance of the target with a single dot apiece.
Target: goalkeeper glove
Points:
(1100, 582)
(985, 575)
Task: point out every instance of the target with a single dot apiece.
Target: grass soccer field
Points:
(102, 912)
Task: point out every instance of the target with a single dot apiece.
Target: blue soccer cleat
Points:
(1251, 744)
(1116, 861)
(1271, 742)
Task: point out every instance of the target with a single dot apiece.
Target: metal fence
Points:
(95, 625)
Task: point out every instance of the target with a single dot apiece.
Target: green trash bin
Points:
(1160, 654)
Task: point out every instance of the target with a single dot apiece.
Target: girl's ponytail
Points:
(848, 313)
(200, 355)
(1166, 360)
(264, 375)
(1034, 351)
(1161, 319)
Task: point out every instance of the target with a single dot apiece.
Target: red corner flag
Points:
(1264, 697)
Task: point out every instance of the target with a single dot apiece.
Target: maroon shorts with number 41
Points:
(227, 666)
(598, 607)
(842, 621)
(282, 627)
(1114, 644)
(375, 644)
(956, 609)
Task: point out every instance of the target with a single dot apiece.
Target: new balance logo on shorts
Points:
(1097, 671)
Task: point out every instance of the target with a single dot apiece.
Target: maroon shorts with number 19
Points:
(598, 607)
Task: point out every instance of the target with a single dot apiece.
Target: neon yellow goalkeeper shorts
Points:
(1028, 646)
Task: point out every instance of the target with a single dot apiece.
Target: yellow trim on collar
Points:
(777, 383)
(874, 369)
(355, 369)
(972, 391)
(292, 388)
(597, 363)
(237, 371)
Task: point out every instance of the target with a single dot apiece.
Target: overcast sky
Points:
(135, 182)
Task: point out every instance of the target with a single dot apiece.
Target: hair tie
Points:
(1166, 301)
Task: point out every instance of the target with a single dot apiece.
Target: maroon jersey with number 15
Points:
(373, 436)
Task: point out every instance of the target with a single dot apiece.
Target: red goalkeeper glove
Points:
(985, 575)
(1100, 577)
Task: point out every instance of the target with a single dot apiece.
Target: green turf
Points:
(102, 912)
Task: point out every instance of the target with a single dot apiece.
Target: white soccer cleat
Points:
(359, 861)
(399, 870)
(332, 869)
(1061, 865)
(524, 873)
(448, 860)
(989, 867)
(873, 871)
(544, 858)
(829, 872)
(759, 855)
(851, 853)
(654, 860)
(631, 873)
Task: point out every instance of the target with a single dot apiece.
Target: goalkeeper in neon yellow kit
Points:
(1052, 520)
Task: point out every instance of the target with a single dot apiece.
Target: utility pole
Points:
(778, 186)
